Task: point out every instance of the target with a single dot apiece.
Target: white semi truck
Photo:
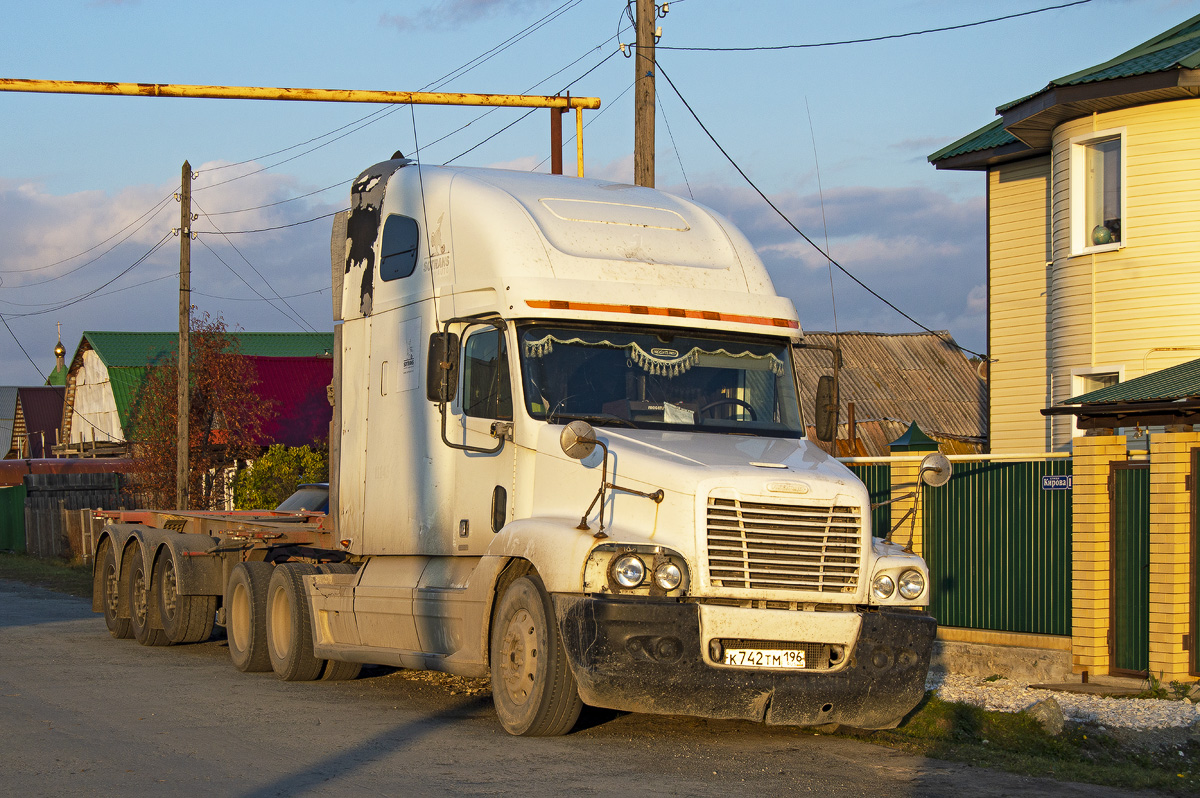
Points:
(567, 452)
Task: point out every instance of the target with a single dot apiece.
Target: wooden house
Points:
(1093, 206)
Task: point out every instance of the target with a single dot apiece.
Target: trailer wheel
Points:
(106, 587)
(338, 671)
(289, 627)
(246, 616)
(532, 684)
(141, 608)
(185, 619)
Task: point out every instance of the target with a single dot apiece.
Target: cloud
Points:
(57, 248)
(455, 13)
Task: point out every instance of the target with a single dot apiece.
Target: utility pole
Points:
(185, 321)
(643, 95)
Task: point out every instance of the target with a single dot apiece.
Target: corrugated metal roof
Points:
(296, 385)
(919, 377)
(39, 414)
(1177, 382)
(8, 402)
(987, 137)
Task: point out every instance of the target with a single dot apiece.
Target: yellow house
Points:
(1093, 234)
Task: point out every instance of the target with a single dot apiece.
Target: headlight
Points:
(883, 587)
(668, 576)
(912, 584)
(629, 570)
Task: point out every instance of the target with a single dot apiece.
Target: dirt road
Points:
(83, 714)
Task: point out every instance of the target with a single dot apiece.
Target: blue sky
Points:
(76, 170)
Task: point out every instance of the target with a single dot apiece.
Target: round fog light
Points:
(912, 584)
(883, 587)
(629, 570)
(668, 576)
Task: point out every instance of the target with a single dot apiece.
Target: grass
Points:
(73, 578)
(1016, 742)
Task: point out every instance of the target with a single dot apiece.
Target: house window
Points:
(1087, 382)
(1097, 192)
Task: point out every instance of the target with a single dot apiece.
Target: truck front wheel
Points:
(246, 616)
(532, 684)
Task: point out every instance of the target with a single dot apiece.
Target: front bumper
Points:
(648, 656)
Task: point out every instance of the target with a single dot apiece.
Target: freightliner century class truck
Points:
(566, 452)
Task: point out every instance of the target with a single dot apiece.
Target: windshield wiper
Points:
(595, 418)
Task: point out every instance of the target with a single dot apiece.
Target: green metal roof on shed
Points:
(1170, 384)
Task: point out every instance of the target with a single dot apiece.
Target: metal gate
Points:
(12, 519)
(1194, 582)
(1129, 635)
(998, 545)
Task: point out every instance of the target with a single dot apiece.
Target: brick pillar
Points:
(904, 481)
(1090, 553)
(1170, 552)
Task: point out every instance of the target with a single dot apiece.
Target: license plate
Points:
(763, 658)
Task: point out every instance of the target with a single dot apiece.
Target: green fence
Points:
(1131, 567)
(878, 479)
(12, 519)
(998, 544)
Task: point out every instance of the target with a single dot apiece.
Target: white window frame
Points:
(1077, 387)
(1080, 237)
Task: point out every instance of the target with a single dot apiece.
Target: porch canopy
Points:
(1170, 396)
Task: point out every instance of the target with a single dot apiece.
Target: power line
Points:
(278, 227)
(790, 223)
(875, 38)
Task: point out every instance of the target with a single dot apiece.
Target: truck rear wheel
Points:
(532, 684)
(338, 671)
(106, 587)
(289, 628)
(246, 616)
(185, 619)
(141, 609)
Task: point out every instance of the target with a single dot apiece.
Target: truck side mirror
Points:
(578, 439)
(826, 409)
(441, 376)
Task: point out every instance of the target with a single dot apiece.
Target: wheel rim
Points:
(112, 588)
(281, 623)
(239, 617)
(139, 596)
(519, 657)
(170, 588)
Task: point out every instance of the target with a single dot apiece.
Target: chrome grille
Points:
(770, 546)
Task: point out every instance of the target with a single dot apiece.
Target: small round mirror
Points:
(578, 439)
(935, 470)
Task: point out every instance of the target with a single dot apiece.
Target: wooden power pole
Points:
(643, 96)
(185, 321)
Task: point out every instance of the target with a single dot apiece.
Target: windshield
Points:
(659, 379)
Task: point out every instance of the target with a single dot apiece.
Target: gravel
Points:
(1005, 695)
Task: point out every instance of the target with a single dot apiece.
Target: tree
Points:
(276, 474)
(225, 419)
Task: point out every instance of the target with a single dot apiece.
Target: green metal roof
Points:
(987, 137)
(1176, 382)
(128, 354)
(1177, 48)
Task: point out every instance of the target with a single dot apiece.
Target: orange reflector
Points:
(642, 310)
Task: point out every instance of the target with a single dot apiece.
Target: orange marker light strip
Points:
(643, 310)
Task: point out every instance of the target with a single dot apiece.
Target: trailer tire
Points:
(106, 587)
(532, 685)
(141, 603)
(246, 616)
(338, 671)
(185, 619)
(289, 626)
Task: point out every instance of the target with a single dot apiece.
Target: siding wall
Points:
(1019, 249)
(1113, 309)
(94, 401)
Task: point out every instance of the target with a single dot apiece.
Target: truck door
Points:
(484, 483)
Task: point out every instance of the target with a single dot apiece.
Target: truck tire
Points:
(106, 588)
(185, 619)
(246, 616)
(532, 685)
(338, 671)
(289, 627)
(141, 603)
